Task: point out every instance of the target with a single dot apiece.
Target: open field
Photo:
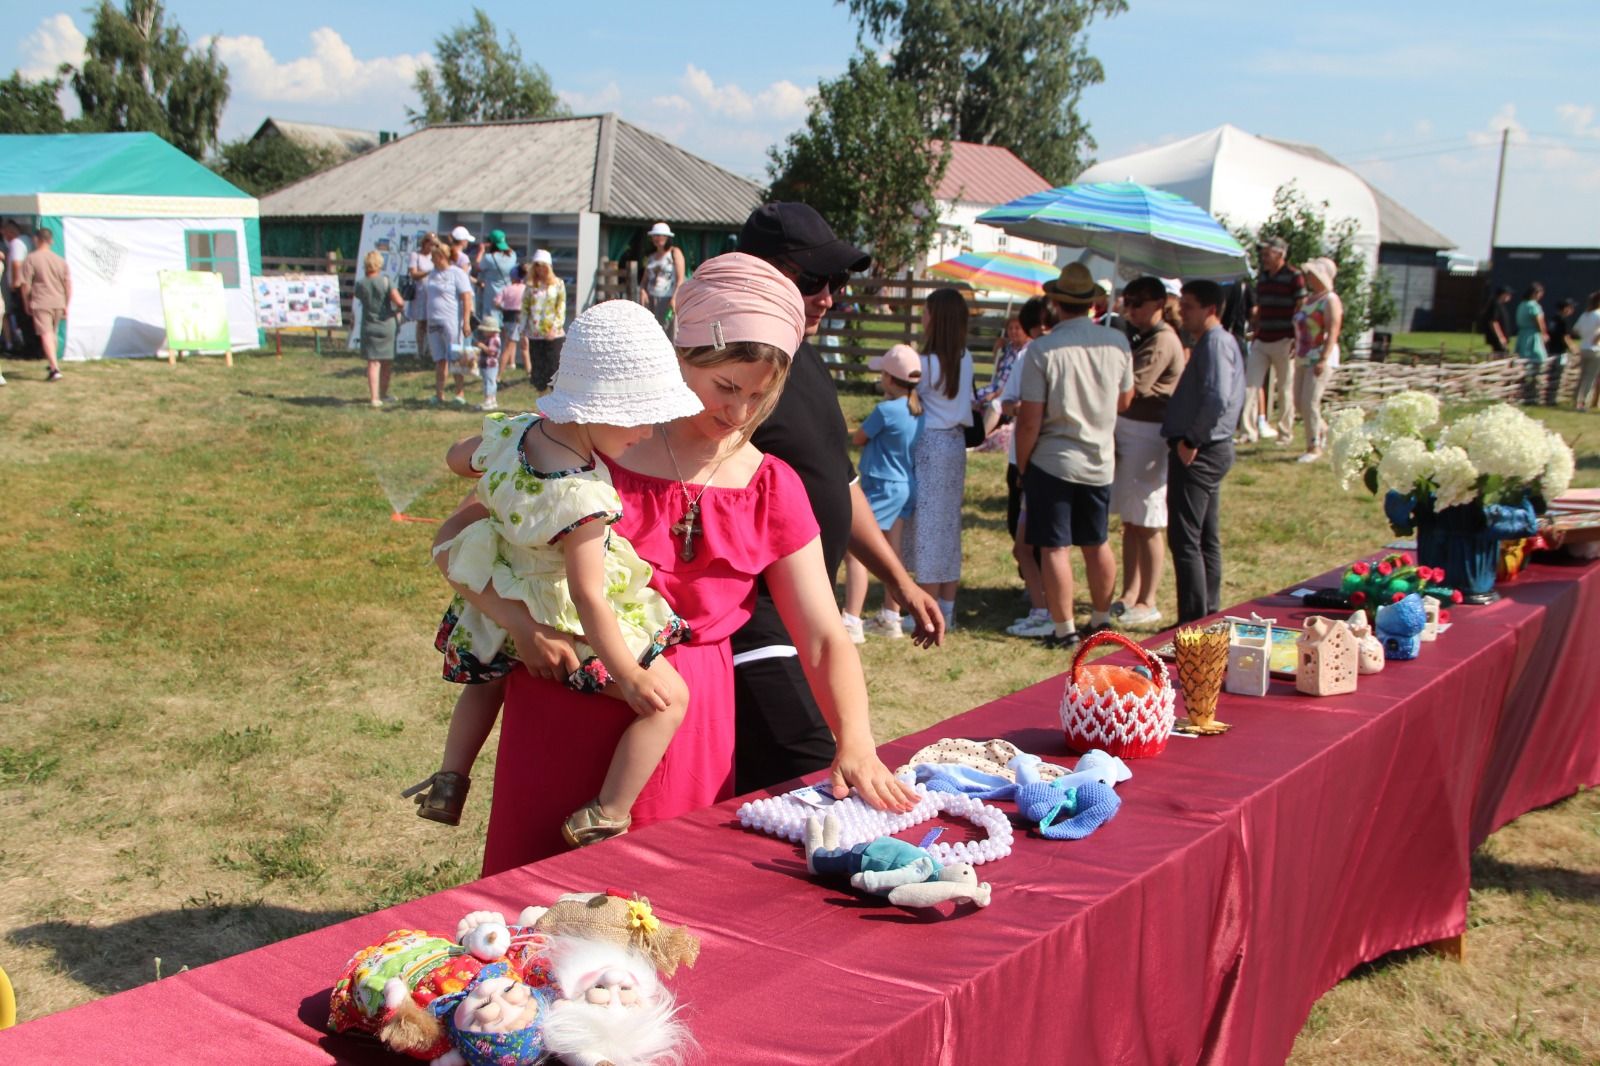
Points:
(216, 674)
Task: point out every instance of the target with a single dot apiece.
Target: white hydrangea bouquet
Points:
(1494, 456)
(1463, 487)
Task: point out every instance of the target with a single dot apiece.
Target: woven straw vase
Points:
(1127, 726)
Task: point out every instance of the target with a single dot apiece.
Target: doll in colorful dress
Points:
(547, 544)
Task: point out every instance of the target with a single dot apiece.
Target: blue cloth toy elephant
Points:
(1068, 808)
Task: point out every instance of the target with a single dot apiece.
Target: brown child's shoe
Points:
(440, 797)
(589, 825)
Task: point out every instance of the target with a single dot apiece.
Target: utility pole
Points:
(1499, 184)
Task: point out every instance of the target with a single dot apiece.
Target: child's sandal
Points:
(445, 795)
(589, 825)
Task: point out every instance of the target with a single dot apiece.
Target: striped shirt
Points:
(1276, 296)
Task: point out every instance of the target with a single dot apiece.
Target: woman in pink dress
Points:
(712, 514)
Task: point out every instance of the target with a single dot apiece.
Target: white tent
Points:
(1234, 175)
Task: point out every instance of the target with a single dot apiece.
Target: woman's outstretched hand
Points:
(872, 779)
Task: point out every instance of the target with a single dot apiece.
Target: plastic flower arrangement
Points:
(1391, 579)
(1494, 456)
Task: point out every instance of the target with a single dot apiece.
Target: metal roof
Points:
(1396, 225)
(986, 174)
(547, 166)
(105, 164)
(341, 139)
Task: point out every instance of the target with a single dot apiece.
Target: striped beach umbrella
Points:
(1125, 222)
(1008, 272)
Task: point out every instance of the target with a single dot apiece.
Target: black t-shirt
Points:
(1559, 330)
(806, 430)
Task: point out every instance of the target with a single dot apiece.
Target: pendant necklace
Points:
(685, 526)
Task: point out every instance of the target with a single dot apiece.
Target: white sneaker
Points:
(1037, 624)
(1264, 429)
(1139, 616)
(908, 623)
(3, 381)
(852, 628)
(880, 626)
(1310, 457)
(491, 404)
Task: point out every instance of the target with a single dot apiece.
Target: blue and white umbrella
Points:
(1128, 223)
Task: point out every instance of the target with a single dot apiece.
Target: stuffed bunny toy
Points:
(908, 876)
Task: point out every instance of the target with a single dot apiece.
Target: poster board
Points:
(298, 301)
(394, 235)
(195, 312)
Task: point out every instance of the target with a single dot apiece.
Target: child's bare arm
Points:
(585, 552)
(459, 457)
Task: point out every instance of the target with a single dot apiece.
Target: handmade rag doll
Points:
(431, 998)
(908, 876)
(600, 957)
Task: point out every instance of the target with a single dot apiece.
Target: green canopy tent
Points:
(123, 207)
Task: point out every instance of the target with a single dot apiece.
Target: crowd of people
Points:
(1107, 403)
(1545, 340)
(666, 526)
(476, 308)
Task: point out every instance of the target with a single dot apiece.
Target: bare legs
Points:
(476, 709)
(1028, 566)
(642, 746)
(379, 372)
(856, 577)
(1100, 568)
(1143, 559)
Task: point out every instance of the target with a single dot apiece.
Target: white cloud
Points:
(1578, 119)
(56, 40)
(581, 103)
(781, 100)
(330, 74)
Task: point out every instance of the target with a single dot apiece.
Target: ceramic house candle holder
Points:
(1370, 658)
(1400, 626)
(1249, 656)
(1328, 658)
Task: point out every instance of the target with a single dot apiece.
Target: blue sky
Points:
(1413, 93)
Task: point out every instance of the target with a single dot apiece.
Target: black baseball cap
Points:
(795, 233)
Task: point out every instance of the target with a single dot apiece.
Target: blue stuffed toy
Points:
(1399, 627)
(1068, 808)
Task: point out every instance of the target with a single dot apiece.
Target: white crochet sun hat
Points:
(618, 369)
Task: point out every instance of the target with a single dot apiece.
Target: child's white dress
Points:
(518, 549)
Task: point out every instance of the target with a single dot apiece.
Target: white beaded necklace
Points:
(785, 817)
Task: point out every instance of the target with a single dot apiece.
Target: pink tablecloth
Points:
(1243, 877)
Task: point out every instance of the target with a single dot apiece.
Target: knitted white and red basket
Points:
(1127, 725)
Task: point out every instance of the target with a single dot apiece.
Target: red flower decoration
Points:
(1405, 559)
(1397, 597)
(1456, 597)
(1361, 569)
(1386, 568)
(1357, 598)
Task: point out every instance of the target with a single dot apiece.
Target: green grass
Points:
(216, 674)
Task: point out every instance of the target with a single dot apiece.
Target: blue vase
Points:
(1464, 540)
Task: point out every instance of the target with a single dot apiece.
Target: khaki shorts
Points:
(45, 322)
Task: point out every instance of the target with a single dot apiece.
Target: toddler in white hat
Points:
(547, 544)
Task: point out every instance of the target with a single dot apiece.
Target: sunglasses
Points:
(810, 284)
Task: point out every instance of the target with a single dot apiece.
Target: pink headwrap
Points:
(737, 297)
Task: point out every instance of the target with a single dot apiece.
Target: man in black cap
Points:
(780, 731)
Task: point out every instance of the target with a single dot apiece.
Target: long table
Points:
(1243, 877)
